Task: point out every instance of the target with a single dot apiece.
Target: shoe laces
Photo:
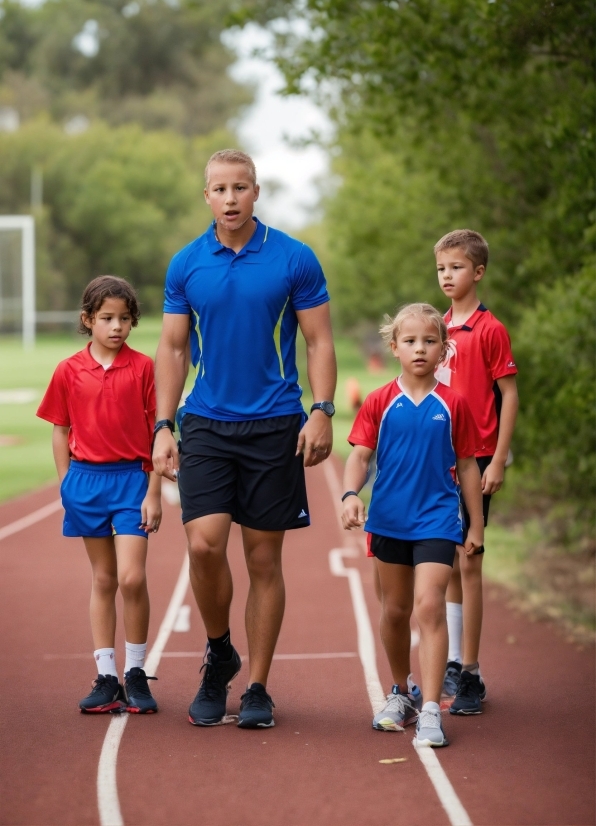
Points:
(429, 719)
(102, 681)
(137, 684)
(468, 687)
(212, 684)
(397, 702)
(256, 698)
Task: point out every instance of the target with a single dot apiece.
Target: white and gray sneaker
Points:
(400, 709)
(429, 729)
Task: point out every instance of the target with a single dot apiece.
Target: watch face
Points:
(328, 408)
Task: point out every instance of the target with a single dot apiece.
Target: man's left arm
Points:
(492, 478)
(316, 437)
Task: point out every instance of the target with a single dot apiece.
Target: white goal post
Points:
(26, 224)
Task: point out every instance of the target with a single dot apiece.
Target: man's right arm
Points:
(171, 367)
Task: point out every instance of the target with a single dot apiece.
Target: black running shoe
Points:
(106, 695)
(138, 693)
(209, 706)
(470, 694)
(256, 708)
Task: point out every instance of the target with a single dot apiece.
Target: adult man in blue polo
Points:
(244, 288)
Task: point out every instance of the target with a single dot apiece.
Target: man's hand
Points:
(165, 454)
(492, 478)
(315, 439)
(353, 513)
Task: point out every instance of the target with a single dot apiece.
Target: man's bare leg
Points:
(210, 575)
(266, 599)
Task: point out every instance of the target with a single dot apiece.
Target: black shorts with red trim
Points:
(247, 469)
(411, 552)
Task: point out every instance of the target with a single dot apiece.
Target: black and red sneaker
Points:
(140, 699)
(106, 695)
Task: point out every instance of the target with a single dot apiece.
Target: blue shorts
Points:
(102, 500)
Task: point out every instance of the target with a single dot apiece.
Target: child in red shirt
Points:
(480, 367)
(101, 402)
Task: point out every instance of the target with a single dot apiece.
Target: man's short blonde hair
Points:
(472, 243)
(390, 330)
(232, 156)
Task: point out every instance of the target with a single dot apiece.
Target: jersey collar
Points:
(255, 243)
(121, 360)
(469, 324)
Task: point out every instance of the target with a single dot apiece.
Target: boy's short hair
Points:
(107, 286)
(390, 330)
(232, 156)
(472, 243)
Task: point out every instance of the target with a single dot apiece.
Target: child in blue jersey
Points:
(424, 434)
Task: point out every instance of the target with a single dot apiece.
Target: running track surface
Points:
(529, 759)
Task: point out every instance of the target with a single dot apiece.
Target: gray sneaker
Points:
(400, 709)
(429, 730)
(451, 679)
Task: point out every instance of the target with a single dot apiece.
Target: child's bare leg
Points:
(396, 590)
(454, 589)
(471, 577)
(377, 582)
(104, 584)
(430, 585)
(131, 553)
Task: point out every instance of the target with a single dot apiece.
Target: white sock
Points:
(135, 655)
(431, 707)
(106, 661)
(455, 624)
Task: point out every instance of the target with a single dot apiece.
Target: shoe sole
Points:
(252, 724)
(424, 743)
(392, 726)
(464, 712)
(137, 710)
(116, 706)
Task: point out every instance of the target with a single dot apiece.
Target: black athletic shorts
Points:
(247, 469)
(483, 462)
(405, 552)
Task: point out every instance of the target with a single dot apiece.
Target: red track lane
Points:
(528, 760)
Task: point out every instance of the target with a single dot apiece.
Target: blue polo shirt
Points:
(243, 321)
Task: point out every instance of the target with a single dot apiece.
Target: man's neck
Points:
(237, 239)
(464, 308)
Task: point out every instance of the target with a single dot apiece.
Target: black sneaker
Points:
(470, 694)
(451, 679)
(209, 706)
(138, 693)
(256, 708)
(106, 695)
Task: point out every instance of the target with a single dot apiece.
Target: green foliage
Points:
(555, 348)
(117, 200)
(158, 63)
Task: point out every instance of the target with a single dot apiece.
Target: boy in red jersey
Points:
(101, 402)
(480, 366)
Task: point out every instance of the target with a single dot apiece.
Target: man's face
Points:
(457, 274)
(231, 194)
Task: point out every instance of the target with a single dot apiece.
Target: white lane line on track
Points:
(31, 519)
(366, 647)
(107, 782)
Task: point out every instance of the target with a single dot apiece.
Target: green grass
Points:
(28, 464)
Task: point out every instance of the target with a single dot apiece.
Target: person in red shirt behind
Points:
(101, 402)
(479, 366)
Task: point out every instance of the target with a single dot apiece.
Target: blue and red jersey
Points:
(415, 495)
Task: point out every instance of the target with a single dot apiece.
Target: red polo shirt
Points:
(479, 353)
(110, 412)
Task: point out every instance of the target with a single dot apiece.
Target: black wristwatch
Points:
(163, 423)
(328, 408)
